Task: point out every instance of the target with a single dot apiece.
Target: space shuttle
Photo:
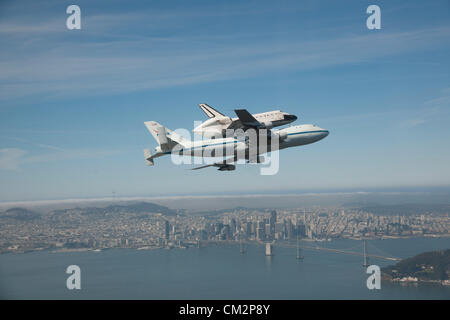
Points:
(217, 124)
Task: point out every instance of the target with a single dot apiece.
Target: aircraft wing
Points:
(223, 165)
(247, 120)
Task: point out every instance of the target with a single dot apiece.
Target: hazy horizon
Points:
(280, 199)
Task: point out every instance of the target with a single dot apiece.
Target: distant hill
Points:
(434, 265)
(221, 211)
(405, 209)
(20, 214)
(139, 207)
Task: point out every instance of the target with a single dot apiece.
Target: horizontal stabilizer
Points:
(148, 157)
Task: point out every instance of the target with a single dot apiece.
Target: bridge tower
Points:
(269, 249)
(365, 262)
(241, 245)
(299, 250)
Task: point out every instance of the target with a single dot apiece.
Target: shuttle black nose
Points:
(290, 117)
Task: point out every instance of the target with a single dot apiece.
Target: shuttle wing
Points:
(247, 120)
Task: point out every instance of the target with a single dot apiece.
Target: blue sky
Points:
(73, 102)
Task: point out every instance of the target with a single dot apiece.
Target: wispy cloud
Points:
(410, 116)
(431, 109)
(98, 61)
(10, 158)
(442, 101)
(13, 159)
(70, 154)
(411, 123)
(50, 147)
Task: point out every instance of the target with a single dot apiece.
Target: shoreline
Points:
(210, 242)
(410, 281)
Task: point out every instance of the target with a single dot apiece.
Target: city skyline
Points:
(146, 226)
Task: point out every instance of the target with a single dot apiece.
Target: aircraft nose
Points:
(290, 117)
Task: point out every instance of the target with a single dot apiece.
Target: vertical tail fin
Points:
(166, 138)
(210, 111)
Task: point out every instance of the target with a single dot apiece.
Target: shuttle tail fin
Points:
(210, 111)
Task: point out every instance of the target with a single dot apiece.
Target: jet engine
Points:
(227, 167)
(282, 135)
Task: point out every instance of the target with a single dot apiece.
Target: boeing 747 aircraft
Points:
(218, 123)
(235, 148)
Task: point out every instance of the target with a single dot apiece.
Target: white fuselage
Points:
(225, 147)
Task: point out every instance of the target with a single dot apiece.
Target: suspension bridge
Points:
(355, 253)
(363, 253)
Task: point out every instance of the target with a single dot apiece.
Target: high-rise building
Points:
(268, 231)
(272, 222)
(218, 227)
(233, 225)
(248, 230)
(290, 229)
(254, 227)
(225, 232)
(301, 230)
(166, 230)
(260, 234)
(273, 216)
